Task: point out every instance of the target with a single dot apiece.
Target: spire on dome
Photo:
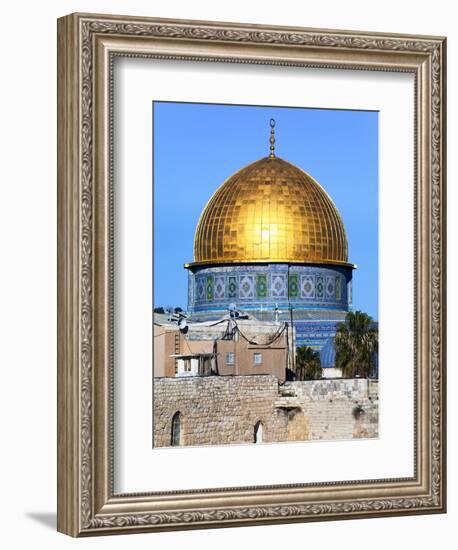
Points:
(272, 138)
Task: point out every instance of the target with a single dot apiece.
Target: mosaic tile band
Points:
(268, 286)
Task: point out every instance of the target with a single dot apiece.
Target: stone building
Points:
(228, 347)
(271, 242)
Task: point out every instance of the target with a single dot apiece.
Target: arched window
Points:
(176, 429)
(258, 428)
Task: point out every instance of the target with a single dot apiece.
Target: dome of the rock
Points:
(270, 243)
(270, 211)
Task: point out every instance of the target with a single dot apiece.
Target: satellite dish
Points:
(183, 325)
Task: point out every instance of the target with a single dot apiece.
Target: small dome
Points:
(270, 211)
(328, 354)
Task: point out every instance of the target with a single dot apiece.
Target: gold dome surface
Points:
(270, 211)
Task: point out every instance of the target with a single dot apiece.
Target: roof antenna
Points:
(272, 138)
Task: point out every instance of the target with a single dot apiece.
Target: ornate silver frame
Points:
(87, 44)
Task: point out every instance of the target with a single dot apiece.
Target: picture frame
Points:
(88, 44)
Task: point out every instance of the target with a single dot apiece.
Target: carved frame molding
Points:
(87, 45)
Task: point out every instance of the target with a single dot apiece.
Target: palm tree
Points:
(356, 345)
(308, 364)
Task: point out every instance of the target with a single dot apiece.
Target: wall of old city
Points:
(219, 410)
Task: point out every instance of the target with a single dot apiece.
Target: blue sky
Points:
(197, 146)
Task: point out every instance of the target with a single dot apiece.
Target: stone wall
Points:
(219, 410)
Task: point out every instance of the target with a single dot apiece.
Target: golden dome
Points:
(270, 211)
